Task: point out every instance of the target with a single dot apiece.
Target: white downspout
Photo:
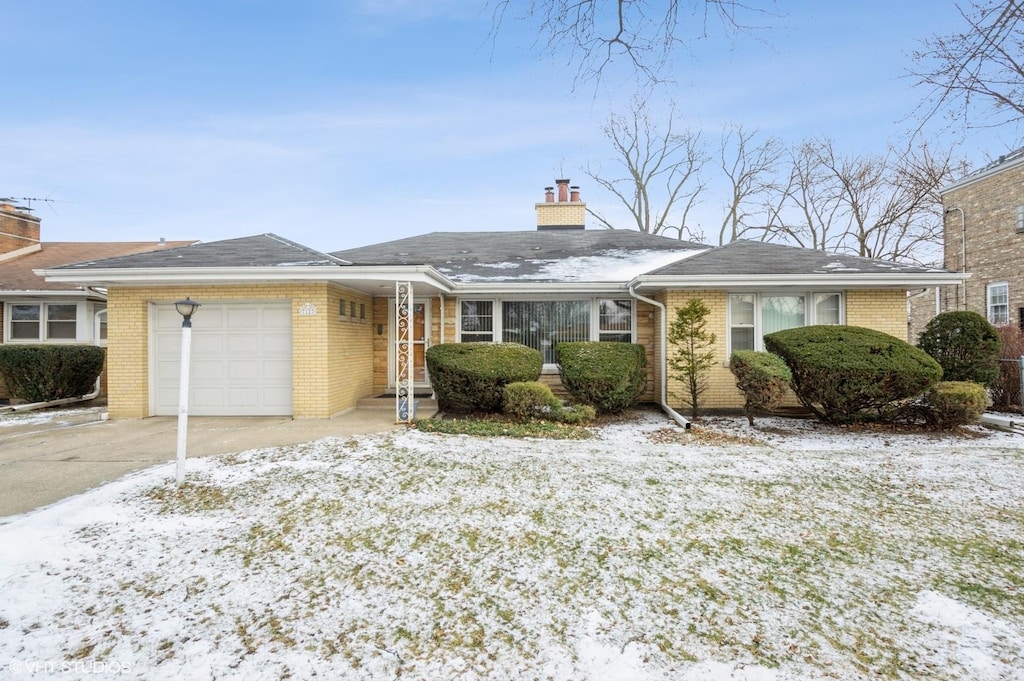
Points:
(662, 359)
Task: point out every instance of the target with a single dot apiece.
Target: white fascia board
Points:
(542, 288)
(830, 281)
(423, 274)
(11, 296)
(227, 275)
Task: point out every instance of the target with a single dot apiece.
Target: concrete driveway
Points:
(41, 463)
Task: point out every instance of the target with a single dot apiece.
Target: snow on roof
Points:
(607, 266)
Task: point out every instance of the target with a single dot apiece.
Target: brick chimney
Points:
(568, 212)
(18, 229)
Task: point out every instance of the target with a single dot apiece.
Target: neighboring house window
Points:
(25, 322)
(541, 324)
(754, 315)
(43, 321)
(999, 303)
(1020, 218)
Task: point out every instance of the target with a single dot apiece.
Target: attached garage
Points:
(241, 359)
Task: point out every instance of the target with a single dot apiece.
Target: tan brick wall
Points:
(561, 214)
(722, 392)
(332, 361)
(882, 310)
(995, 250)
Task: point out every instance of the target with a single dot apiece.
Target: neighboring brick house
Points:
(285, 329)
(33, 310)
(983, 236)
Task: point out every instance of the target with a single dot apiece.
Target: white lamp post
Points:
(185, 308)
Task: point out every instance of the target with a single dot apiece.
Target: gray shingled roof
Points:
(540, 255)
(756, 257)
(264, 250)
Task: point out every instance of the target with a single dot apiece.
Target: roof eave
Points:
(225, 275)
(733, 281)
(515, 288)
(9, 294)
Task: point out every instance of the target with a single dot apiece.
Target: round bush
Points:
(949, 404)
(609, 376)
(530, 399)
(964, 344)
(847, 373)
(763, 377)
(471, 377)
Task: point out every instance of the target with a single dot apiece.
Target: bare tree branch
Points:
(662, 171)
(750, 169)
(597, 33)
(975, 75)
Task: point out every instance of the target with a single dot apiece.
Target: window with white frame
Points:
(1020, 218)
(477, 320)
(998, 296)
(40, 322)
(754, 315)
(542, 324)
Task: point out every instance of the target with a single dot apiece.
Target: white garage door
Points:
(241, 360)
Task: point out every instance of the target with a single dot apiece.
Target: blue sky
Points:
(338, 124)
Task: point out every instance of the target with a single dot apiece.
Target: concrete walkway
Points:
(44, 463)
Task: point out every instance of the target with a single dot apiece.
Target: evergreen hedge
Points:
(848, 373)
(471, 377)
(609, 376)
(763, 377)
(964, 344)
(42, 373)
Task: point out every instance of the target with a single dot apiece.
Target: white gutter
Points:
(852, 280)
(420, 274)
(545, 288)
(662, 360)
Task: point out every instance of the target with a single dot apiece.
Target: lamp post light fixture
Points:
(186, 308)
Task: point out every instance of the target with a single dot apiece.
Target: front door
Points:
(420, 343)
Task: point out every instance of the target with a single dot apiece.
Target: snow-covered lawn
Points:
(790, 551)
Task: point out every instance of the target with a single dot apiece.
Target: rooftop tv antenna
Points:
(16, 201)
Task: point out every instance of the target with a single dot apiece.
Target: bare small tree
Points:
(662, 171)
(643, 34)
(750, 169)
(977, 73)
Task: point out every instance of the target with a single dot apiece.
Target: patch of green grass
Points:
(499, 427)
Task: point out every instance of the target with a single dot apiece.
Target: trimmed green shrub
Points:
(471, 377)
(530, 399)
(848, 373)
(964, 344)
(763, 377)
(949, 404)
(575, 414)
(41, 373)
(609, 376)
